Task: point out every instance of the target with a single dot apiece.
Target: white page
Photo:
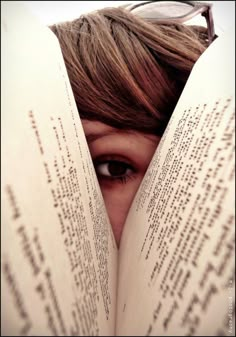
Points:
(176, 267)
(58, 254)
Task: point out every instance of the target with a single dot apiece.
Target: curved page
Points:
(58, 254)
(176, 268)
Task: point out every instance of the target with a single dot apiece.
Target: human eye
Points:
(114, 169)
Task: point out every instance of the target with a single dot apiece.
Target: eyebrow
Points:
(93, 136)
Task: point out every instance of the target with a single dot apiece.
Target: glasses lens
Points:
(163, 9)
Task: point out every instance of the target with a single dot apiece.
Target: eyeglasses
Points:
(176, 12)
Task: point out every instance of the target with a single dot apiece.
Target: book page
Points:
(58, 254)
(176, 268)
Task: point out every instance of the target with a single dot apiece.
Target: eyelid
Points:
(114, 157)
(102, 166)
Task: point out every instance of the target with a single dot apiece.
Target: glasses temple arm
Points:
(210, 25)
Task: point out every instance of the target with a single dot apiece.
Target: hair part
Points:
(125, 71)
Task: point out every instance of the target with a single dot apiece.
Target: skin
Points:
(121, 159)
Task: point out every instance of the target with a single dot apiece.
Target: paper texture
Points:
(58, 255)
(177, 249)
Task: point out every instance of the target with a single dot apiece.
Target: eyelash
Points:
(123, 179)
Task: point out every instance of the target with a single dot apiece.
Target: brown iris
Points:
(117, 168)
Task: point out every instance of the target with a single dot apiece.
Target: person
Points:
(127, 73)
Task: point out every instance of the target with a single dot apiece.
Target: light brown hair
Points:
(125, 71)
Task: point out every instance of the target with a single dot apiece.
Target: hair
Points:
(125, 71)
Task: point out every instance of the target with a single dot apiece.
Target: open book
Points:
(61, 273)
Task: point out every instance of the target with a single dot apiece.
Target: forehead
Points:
(95, 130)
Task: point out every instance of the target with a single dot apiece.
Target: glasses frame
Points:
(205, 9)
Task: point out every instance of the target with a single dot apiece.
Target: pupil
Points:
(116, 168)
